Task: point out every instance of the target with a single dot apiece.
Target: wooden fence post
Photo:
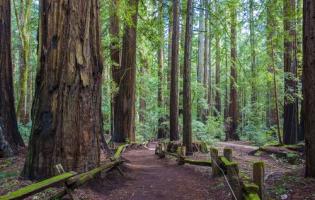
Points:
(258, 177)
(215, 162)
(234, 179)
(227, 152)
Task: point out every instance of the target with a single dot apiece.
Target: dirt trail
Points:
(149, 178)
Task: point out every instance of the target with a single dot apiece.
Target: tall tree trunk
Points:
(309, 85)
(22, 16)
(201, 53)
(206, 58)
(273, 108)
(217, 75)
(169, 47)
(253, 54)
(66, 111)
(233, 107)
(290, 120)
(114, 55)
(124, 111)
(174, 74)
(187, 130)
(161, 132)
(209, 97)
(201, 37)
(10, 139)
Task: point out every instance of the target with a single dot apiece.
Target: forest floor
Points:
(146, 177)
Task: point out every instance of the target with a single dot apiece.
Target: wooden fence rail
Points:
(71, 180)
(241, 188)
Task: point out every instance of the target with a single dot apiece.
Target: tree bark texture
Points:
(174, 74)
(187, 130)
(309, 85)
(66, 111)
(10, 139)
(233, 107)
(124, 110)
(290, 118)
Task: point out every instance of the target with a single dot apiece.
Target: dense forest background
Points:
(267, 82)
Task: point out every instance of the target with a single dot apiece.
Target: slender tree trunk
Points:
(124, 111)
(209, 98)
(273, 109)
(174, 74)
(161, 132)
(206, 59)
(22, 16)
(66, 113)
(253, 54)
(309, 85)
(187, 130)
(201, 48)
(10, 138)
(114, 56)
(233, 107)
(290, 120)
(170, 36)
(217, 75)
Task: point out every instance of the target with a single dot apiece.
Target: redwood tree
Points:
(174, 74)
(10, 139)
(124, 107)
(66, 111)
(233, 107)
(309, 85)
(187, 130)
(290, 118)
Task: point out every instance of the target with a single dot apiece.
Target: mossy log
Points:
(37, 187)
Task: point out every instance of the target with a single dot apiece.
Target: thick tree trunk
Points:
(174, 74)
(66, 111)
(124, 110)
(309, 85)
(10, 139)
(187, 130)
(114, 56)
(233, 108)
(290, 120)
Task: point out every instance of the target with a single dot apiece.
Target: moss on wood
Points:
(37, 187)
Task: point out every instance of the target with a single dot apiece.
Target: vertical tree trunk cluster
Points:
(187, 130)
(290, 118)
(10, 139)
(174, 74)
(309, 85)
(233, 107)
(124, 106)
(66, 111)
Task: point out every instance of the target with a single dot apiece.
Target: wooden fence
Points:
(70, 180)
(242, 188)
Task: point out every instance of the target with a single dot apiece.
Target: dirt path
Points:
(150, 178)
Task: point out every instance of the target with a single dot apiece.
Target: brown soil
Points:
(146, 177)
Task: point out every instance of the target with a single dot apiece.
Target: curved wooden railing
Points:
(71, 180)
(242, 188)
